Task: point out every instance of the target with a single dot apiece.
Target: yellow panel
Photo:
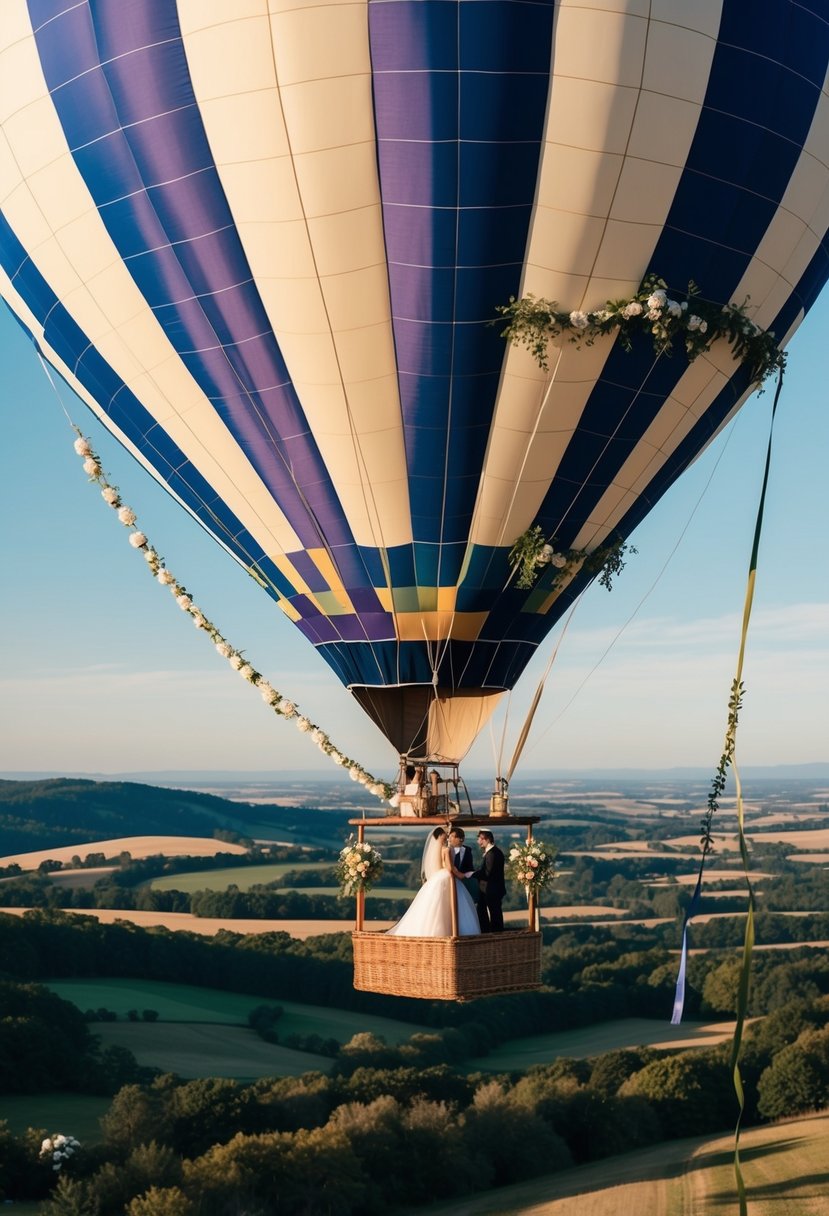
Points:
(447, 598)
(287, 607)
(384, 596)
(438, 626)
(286, 567)
(277, 249)
(322, 560)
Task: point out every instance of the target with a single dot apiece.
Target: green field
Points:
(183, 1003)
(79, 1113)
(784, 1169)
(245, 877)
(203, 1032)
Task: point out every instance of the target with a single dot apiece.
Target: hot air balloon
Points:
(265, 243)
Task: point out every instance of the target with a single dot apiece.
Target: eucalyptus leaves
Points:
(531, 552)
(690, 322)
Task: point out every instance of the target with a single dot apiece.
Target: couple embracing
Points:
(448, 860)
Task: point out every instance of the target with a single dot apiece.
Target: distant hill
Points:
(68, 810)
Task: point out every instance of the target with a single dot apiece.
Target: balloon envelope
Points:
(265, 247)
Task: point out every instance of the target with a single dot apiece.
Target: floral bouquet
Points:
(60, 1148)
(533, 865)
(360, 866)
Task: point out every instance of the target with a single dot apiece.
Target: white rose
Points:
(91, 467)
(633, 309)
(287, 708)
(236, 661)
(110, 495)
(558, 560)
(303, 724)
(377, 790)
(198, 620)
(579, 320)
(246, 671)
(127, 516)
(184, 602)
(224, 649)
(658, 300)
(82, 447)
(138, 540)
(165, 578)
(318, 736)
(337, 758)
(674, 308)
(654, 314)
(694, 321)
(703, 327)
(354, 773)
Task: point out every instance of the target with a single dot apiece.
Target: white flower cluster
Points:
(694, 323)
(270, 695)
(60, 1148)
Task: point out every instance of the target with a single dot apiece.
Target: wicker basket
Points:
(447, 968)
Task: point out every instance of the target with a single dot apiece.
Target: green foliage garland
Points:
(693, 322)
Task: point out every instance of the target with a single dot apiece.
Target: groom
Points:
(492, 889)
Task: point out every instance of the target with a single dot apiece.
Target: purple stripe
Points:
(163, 206)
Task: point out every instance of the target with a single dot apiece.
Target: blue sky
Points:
(103, 673)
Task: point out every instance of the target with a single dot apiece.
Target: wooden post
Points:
(361, 895)
(530, 894)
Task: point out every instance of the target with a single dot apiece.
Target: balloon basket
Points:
(447, 968)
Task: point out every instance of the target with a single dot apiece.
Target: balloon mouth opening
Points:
(431, 723)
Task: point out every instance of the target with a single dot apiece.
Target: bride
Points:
(430, 912)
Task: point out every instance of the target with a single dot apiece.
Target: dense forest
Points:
(391, 1125)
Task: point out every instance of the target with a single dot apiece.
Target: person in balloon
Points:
(430, 912)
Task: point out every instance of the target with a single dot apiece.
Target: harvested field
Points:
(136, 846)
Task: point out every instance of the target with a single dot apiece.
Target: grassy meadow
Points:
(784, 1168)
(52, 1112)
(183, 1003)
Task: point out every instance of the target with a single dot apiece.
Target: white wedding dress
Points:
(430, 912)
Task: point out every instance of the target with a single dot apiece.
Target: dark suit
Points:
(463, 861)
(491, 891)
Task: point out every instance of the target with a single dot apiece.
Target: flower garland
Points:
(533, 865)
(692, 321)
(273, 699)
(359, 866)
(532, 550)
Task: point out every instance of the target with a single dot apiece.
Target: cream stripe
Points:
(788, 246)
(619, 126)
(286, 103)
(50, 209)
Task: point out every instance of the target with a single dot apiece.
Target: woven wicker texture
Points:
(447, 968)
